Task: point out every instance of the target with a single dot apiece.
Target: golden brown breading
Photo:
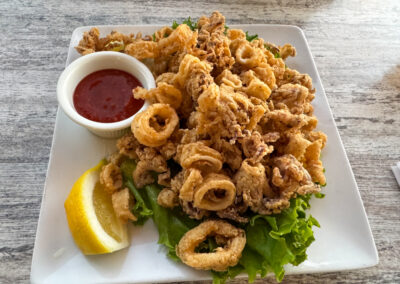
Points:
(212, 44)
(294, 97)
(252, 182)
(316, 135)
(122, 203)
(116, 158)
(115, 41)
(127, 145)
(111, 178)
(88, 43)
(164, 178)
(254, 147)
(167, 198)
(141, 49)
(294, 77)
(289, 178)
(198, 155)
(221, 258)
(285, 122)
(313, 163)
(216, 192)
(231, 153)
(177, 181)
(153, 126)
(162, 33)
(149, 161)
(193, 212)
(297, 145)
(286, 51)
(224, 113)
(180, 39)
(168, 150)
(270, 137)
(164, 93)
(197, 82)
(234, 211)
(192, 179)
(254, 86)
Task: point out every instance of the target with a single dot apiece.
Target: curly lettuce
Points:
(272, 241)
(172, 224)
(189, 22)
(251, 37)
(142, 209)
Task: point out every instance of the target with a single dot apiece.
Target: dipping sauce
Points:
(106, 96)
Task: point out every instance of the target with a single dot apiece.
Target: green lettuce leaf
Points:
(251, 37)
(272, 241)
(141, 209)
(171, 224)
(189, 22)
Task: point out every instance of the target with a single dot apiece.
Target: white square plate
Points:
(343, 242)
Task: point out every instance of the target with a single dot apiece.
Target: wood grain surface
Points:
(356, 46)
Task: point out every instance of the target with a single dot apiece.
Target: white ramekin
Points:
(88, 64)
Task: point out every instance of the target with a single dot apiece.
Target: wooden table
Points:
(356, 46)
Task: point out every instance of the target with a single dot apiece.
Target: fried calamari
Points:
(122, 203)
(229, 132)
(111, 178)
(230, 240)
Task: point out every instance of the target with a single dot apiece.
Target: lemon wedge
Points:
(91, 217)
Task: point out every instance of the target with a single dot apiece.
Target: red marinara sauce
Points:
(106, 96)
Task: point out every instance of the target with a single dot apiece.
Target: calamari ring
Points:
(247, 55)
(221, 258)
(155, 125)
(199, 156)
(216, 192)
